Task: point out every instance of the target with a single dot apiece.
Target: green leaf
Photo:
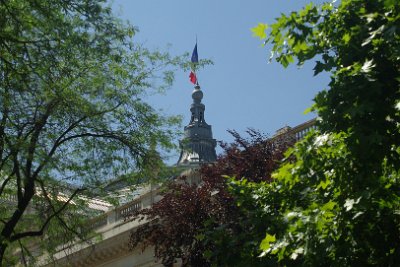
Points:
(308, 110)
(260, 30)
(346, 38)
(299, 47)
(319, 67)
(208, 254)
(285, 60)
(328, 206)
(266, 242)
(324, 184)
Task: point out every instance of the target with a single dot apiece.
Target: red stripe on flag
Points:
(192, 77)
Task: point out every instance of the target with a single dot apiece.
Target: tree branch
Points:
(60, 140)
(70, 229)
(57, 213)
(41, 230)
(18, 176)
(3, 185)
(2, 126)
(16, 167)
(33, 142)
(23, 250)
(4, 160)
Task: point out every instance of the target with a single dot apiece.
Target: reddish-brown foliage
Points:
(175, 220)
(254, 159)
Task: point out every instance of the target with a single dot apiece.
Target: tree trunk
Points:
(8, 228)
(3, 247)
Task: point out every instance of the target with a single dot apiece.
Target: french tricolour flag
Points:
(195, 60)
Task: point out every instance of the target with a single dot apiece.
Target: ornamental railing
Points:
(298, 132)
(127, 209)
(120, 214)
(302, 130)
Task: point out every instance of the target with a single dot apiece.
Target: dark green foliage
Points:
(339, 198)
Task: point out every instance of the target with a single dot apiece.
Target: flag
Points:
(195, 60)
(192, 77)
(195, 57)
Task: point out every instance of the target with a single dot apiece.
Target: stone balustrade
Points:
(296, 133)
(303, 129)
(118, 215)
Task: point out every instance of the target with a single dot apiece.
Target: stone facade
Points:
(113, 248)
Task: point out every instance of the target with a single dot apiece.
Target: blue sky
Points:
(241, 89)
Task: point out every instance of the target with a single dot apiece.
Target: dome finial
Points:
(197, 94)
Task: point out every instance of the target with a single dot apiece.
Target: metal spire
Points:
(198, 145)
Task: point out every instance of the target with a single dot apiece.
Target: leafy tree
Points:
(339, 197)
(71, 111)
(201, 224)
